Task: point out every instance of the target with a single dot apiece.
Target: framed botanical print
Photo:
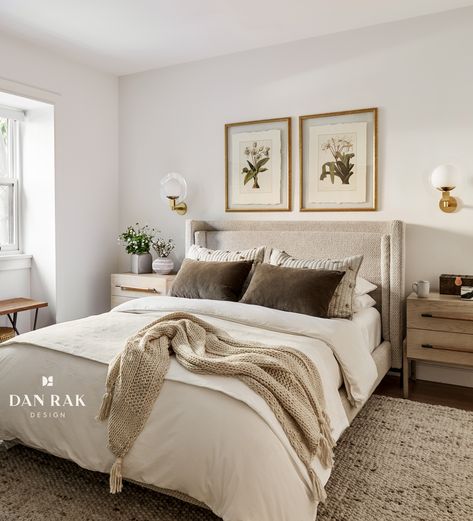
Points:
(338, 161)
(258, 166)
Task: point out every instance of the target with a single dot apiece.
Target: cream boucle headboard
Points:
(380, 242)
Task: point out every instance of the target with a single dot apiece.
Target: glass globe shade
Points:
(445, 177)
(173, 186)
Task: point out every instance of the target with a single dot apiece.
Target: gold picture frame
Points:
(310, 153)
(237, 135)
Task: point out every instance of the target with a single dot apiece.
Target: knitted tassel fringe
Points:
(318, 490)
(116, 477)
(325, 452)
(105, 408)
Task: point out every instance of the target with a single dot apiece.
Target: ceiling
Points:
(127, 36)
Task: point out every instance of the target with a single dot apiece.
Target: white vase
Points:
(141, 263)
(163, 265)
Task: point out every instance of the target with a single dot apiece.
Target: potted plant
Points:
(137, 241)
(163, 264)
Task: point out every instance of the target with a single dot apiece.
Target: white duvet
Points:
(209, 437)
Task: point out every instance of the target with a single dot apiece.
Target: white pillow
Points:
(362, 302)
(363, 286)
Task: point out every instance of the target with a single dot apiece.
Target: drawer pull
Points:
(142, 290)
(464, 318)
(462, 349)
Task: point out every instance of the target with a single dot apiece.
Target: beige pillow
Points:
(341, 305)
(205, 254)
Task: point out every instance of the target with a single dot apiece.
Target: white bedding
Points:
(369, 321)
(208, 436)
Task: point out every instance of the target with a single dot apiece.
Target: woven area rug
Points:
(400, 460)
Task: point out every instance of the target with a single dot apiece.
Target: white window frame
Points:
(14, 117)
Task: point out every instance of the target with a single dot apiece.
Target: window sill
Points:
(15, 261)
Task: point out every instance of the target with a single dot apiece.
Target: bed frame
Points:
(380, 242)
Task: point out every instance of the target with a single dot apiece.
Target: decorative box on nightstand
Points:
(127, 286)
(439, 330)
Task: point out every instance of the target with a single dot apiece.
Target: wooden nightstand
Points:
(439, 330)
(127, 286)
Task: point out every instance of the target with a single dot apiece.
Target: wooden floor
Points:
(429, 392)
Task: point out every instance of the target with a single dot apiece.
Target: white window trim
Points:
(10, 113)
(14, 181)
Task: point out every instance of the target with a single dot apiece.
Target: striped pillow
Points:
(204, 254)
(341, 305)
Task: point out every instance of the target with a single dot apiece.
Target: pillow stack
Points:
(318, 287)
(341, 305)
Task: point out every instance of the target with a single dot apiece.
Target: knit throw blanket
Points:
(285, 378)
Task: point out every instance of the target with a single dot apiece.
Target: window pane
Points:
(6, 214)
(4, 163)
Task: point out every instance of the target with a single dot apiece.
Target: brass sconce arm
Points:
(447, 203)
(445, 178)
(179, 208)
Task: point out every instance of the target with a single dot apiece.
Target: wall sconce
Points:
(174, 190)
(445, 178)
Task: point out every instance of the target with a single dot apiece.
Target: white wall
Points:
(38, 228)
(416, 71)
(86, 169)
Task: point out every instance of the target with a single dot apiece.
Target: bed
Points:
(209, 439)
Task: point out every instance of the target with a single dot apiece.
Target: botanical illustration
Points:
(336, 158)
(255, 169)
(342, 165)
(257, 155)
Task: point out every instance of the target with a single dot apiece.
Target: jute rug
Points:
(400, 460)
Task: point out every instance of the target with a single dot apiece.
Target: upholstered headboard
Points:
(380, 242)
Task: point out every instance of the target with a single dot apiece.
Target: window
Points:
(9, 177)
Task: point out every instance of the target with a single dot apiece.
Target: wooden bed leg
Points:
(405, 371)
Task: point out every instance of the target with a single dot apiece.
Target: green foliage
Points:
(137, 240)
(259, 156)
(341, 168)
(4, 128)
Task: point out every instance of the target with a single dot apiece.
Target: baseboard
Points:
(444, 374)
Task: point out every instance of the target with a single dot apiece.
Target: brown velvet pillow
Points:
(211, 280)
(293, 289)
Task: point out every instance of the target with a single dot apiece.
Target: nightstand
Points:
(440, 331)
(127, 286)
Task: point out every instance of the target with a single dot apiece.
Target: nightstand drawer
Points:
(440, 346)
(452, 316)
(133, 286)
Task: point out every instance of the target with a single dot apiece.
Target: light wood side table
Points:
(440, 331)
(127, 286)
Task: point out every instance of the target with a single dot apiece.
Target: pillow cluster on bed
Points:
(319, 287)
(341, 305)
